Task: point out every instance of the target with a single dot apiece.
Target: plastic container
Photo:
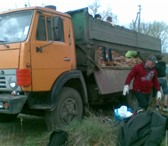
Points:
(122, 113)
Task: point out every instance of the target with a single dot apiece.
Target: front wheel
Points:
(68, 107)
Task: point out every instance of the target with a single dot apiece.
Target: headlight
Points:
(12, 82)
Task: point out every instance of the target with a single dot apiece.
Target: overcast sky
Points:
(125, 10)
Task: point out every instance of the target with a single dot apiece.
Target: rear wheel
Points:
(69, 106)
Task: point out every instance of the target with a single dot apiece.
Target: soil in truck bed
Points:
(118, 59)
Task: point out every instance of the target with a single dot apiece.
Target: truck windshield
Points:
(14, 27)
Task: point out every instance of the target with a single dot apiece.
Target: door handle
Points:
(66, 59)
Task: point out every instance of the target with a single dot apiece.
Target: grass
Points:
(24, 131)
(164, 140)
(29, 141)
(41, 140)
(92, 131)
(95, 131)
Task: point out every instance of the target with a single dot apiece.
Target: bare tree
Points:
(95, 8)
(156, 29)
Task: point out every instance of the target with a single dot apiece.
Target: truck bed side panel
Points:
(103, 31)
(110, 81)
(88, 29)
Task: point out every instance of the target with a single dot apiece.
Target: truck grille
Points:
(5, 76)
(2, 83)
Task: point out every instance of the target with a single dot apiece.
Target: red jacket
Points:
(144, 79)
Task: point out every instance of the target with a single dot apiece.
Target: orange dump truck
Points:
(48, 63)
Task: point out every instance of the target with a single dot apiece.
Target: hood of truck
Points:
(9, 55)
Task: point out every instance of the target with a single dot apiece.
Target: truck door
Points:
(50, 54)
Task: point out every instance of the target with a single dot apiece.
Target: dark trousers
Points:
(104, 49)
(143, 99)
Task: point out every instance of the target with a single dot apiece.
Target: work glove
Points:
(126, 90)
(159, 95)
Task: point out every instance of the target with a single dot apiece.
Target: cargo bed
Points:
(91, 34)
(90, 30)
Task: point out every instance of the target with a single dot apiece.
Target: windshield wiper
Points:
(2, 42)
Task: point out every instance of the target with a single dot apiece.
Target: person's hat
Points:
(97, 16)
(152, 58)
(159, 57)
(109, 19)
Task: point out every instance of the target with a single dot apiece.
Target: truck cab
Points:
(37, 55)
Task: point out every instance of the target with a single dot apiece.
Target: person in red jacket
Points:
(144, 78)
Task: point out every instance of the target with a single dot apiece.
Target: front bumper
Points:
(10, 104)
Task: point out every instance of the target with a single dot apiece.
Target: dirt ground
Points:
(24, 131)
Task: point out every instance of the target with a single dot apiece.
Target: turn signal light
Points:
(23, 77)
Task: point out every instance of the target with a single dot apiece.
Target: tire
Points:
(68, 107)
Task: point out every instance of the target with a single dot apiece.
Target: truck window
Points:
(41, 29)
(14, 27)
(49, 28)
(58, 29)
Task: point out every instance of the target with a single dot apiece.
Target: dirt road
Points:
(24, 131)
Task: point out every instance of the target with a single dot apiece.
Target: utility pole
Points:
(139, 20)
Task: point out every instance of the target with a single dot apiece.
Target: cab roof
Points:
(38, 8)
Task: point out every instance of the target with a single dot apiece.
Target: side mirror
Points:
(58, 28)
